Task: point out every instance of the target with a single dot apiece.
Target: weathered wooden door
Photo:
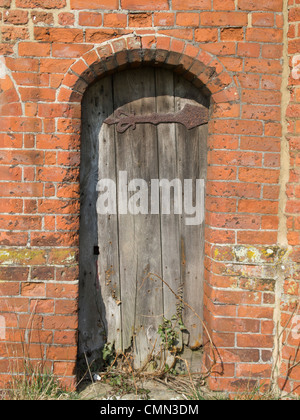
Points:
(129, 137)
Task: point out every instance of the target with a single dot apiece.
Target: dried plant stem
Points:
(279, 336)
(213, 347)
(189, 373)
(90, 373)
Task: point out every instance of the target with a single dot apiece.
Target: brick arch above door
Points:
(198, 66)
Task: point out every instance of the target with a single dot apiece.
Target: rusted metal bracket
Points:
(190, 116)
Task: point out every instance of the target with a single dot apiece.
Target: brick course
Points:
(51, 50)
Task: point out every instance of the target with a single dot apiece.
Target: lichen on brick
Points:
(22, 257)
(63, 256)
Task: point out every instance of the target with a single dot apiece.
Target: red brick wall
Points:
(50, 51)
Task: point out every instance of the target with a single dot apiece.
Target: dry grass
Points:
(36, 383)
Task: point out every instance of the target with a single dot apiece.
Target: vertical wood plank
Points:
(192, 165)
(168, 169)
(96, 106)
(108, 235)
(139, 235)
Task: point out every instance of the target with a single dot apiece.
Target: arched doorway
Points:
(143, 172)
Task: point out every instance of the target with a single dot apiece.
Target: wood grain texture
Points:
(96, 106)
(139, 235)
(108, 238)
(192, 165)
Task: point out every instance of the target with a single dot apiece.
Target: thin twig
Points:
(281, 345)
(90, 373)
(189, 373)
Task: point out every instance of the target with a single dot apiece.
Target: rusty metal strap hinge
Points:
(190, 116)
